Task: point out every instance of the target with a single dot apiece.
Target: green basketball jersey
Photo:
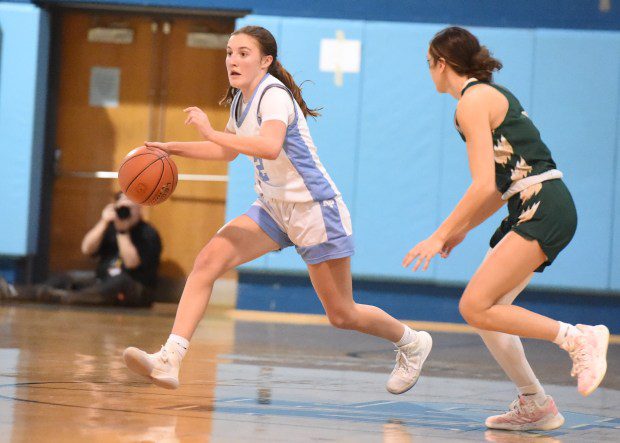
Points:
(518, 149)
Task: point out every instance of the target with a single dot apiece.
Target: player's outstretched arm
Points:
(202, 150)
(267, 144)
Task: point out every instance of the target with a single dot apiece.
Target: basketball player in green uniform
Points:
(509, 163)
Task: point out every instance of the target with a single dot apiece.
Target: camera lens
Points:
(123, 212)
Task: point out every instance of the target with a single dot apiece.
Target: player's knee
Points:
(208, 265)
(342, 319)
(471, 313)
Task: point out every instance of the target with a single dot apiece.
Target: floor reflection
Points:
(61, 375)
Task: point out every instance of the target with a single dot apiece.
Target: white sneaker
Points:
(409, 361)
(161, 368)
(527, 415)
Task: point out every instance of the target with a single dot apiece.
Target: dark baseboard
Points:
(423, 302)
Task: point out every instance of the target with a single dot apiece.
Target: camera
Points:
(123, 212)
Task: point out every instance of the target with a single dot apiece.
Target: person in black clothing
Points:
(128, 250)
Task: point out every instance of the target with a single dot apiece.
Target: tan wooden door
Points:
(159, 76)
(191, 76)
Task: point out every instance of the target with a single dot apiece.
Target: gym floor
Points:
(254, 376)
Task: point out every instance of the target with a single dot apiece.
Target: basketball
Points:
(147, 176)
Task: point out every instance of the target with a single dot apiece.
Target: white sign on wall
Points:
(207, 40)
(118, 36)
(340, 56)
(104, 87)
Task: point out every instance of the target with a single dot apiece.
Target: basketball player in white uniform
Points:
(298, 205)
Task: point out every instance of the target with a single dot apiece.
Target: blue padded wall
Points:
(396, 198)
(575, 105)
(514, 48)
(23, 64)
(614, 273)
(388, 140)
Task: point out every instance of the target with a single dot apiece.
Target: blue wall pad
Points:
(579, 124)
(24, 53)
(396, 190)
(414, 301)
(388, 140)
(614, 274)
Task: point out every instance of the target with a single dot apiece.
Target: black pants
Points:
(120, 290)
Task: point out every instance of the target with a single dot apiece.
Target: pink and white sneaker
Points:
(589, 354)
(527, 415)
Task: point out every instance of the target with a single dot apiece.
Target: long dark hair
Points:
(462, 52)
(268, 46)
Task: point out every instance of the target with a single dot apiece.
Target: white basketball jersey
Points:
(297, 175)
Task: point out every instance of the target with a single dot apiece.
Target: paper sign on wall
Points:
(104, 87)
(340, 56)
(207, 40)
(119, 36)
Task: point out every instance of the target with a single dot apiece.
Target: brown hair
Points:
(268, 46)
(462, 52)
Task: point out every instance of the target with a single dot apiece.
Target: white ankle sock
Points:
(566, 330)
(534, 392)
(178, 344)
(409, 336)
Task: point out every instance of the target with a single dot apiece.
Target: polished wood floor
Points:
(246, 379)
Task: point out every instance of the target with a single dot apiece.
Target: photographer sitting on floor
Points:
(128, 251)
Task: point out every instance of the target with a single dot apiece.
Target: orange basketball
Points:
(147, 176)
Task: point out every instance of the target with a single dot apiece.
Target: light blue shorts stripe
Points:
(320, 231)
(268, 224)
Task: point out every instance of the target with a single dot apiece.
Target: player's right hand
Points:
(452, 243)
(422, 253)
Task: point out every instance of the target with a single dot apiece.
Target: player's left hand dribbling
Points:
(159, 145)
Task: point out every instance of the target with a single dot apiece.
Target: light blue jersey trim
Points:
(247, 107)
(260, 100)
(233, 107)
(300, 156)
